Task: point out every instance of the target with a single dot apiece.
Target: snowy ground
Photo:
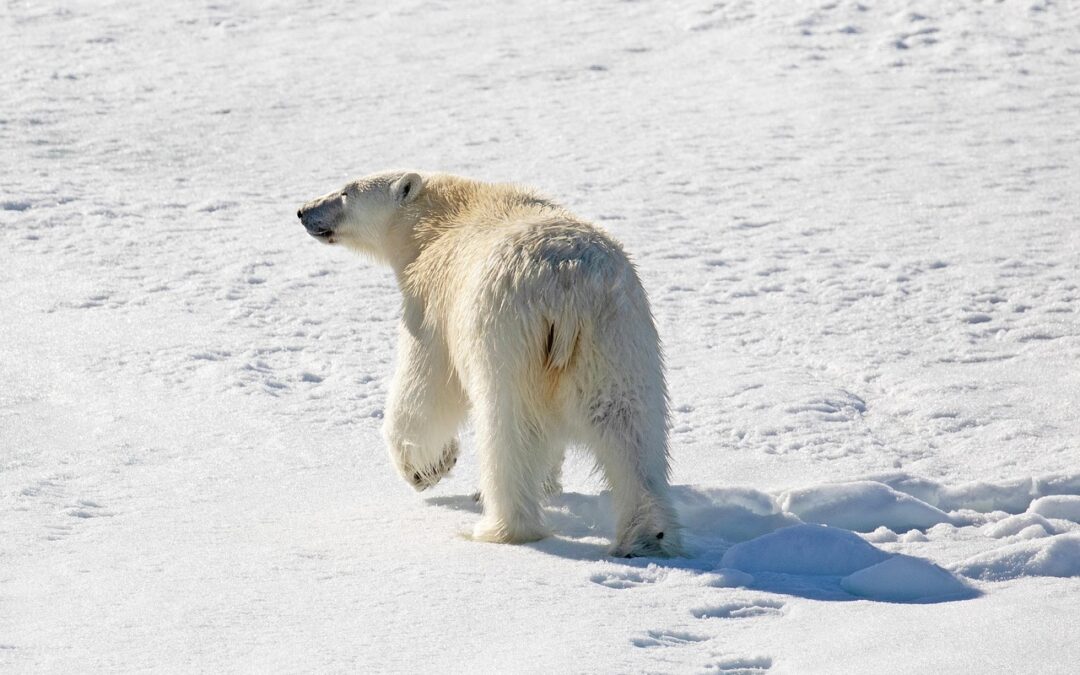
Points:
(858, 226)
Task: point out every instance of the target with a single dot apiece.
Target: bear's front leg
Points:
(426, 407)
(414, 464)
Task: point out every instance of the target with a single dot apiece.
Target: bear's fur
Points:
(533, 320)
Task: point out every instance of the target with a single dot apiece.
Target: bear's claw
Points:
(422, 479)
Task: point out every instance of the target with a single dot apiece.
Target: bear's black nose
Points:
(300, 213)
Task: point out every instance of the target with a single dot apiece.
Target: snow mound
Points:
(866, 571)
(1058, 484)
(904, 578)
(1028, 523)
(1057, 556)
(1011, 496)
(923, 489)
(733, 514)
(862, 506)
(804, 550)
(881, 535)
(1063, 507)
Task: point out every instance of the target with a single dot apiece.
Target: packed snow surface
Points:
(858, 226)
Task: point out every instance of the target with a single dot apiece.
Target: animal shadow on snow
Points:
(713, 521)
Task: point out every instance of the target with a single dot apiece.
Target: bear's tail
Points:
(561, 344)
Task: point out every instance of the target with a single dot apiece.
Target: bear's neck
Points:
(443, 205)
(447, 203)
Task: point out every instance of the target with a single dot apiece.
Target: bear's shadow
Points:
(713, 520)
(580, 526)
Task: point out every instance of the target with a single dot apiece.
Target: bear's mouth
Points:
(324, 234)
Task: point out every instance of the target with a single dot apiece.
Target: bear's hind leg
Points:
(633, 458)
(553, 482)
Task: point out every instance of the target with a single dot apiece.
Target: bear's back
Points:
(504, 246)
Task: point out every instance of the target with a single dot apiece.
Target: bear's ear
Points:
(406, 188)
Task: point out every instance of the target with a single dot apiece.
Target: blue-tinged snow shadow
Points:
(737, 537)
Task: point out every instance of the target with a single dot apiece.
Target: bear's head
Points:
(363, 214)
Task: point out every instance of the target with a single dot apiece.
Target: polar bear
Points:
(532, 320)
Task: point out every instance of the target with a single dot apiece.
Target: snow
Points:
(816, 553)
(1065, 507)
(881, 535)
(1031, 523)
(1012, 496)
(1057, 556)
(804, 550)
(903, 578)
(857, 223)
(731, 514)
(862, 506)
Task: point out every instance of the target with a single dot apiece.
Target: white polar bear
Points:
(534, 320)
